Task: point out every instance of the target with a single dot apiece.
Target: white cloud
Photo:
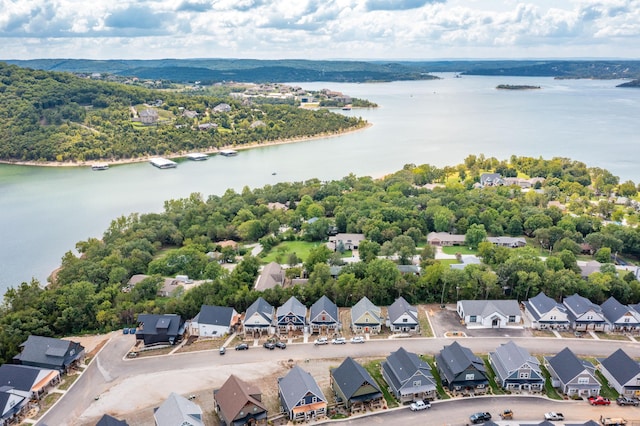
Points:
(418, 29)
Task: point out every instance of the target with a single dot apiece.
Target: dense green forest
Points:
(395, 214)
(54, 116)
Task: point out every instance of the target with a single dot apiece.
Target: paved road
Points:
(109, 367)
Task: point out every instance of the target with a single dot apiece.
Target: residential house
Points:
(490, 313)
(491, 179)
(148, 116)
(50, 353)
(239, 403)
(408, 376)
(466, 259)
(621, 318)
(291, 317)
(272, 275)
(222, 107)
(107, 420)
(30, 382)
(461, 371)
(622, 372)
(342, 242)
(366, 317)
(178, 410)
(584, 315)
(300, 396)
(12, 406)
(516, 370)
(403, 318)
(571, 375)
(546, 313)
(214, 321)
(509, 242)
(258, 319)
(323, 317)
(409, 269)
(355, 388)
(589, 268)
(164, 329)
(445, 239)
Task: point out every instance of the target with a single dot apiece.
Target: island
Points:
(516, 87)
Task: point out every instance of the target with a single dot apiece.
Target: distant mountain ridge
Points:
(287, 70)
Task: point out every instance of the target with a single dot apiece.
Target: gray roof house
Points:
(214, 321)
(491, 179)
(445, 239)
(461, 371)
(108, 420)
(408, 376)
(345, 241)
(12, 406)
(272, 275)
(403, 318)
(546, 313)
(571, 375)
(323, 316)
(178, 410)
(366, 317)
(355, 387)
(620, 317)
(516, 370)
(30, 382)
(490, 313)
(300, 396)
(222, 107)
(291, 316)
(584, 314)
(622, 372)
(159, 329)
(258, 318)
(47, 352)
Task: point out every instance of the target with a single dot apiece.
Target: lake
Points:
(45, 211)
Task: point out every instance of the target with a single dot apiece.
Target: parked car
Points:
(506, 415)
(357, 339)
(599, 400)
(223, 351)
(242, 347)
(281, 345)
(481, 417)
(125, 330)
(269, 345)
(321, 341)
(625, 400)
(420, 405)
(132, 330)
(339, 341)
(552, 415)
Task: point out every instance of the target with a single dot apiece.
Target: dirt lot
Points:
(93, 343)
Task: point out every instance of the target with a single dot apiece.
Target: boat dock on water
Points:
(228, 152)
(100, 166)
(163, 163)
(197, 156)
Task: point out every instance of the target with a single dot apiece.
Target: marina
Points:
(100, 166)
(228, 152)
(197, 156)
(163, 163)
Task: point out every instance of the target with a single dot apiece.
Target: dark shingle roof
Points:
(107, 420)
(405, 364)
(351, 376)
(614, 310)
(295, 385)
(543, 303)
(454, 359)
(167, 323)
(567, 365)
(621, 366)
(579, 305)
(293, 306)
(262, 307)
(400, 307)
(365, 305)
(215, 315)
(324, 304)
(47, 351)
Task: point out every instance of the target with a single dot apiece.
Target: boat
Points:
(228, 152)
(346, 107)
(100, 166)
(197, 156)
(163, 163)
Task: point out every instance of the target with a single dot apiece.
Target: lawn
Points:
(606, 390)
(373, 368)
(491, 375)
(442, 394)
(458, 249)
(549, 390)
(282, 250)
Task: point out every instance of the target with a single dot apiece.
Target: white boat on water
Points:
(163, 163)
(197, 156)
(228, 152)
(100, 166)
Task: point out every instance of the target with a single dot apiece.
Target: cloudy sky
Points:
(319, 29)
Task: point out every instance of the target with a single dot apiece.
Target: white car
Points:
(321, 341)
(339, 341)
(357, 339)
(420, 405)
(553, 416)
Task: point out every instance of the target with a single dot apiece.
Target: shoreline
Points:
(184, 153)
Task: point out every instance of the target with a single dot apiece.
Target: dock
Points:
(197, 156)
(228, 152)
(163, 163)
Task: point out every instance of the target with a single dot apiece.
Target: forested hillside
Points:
(53, 116)
(394, 213)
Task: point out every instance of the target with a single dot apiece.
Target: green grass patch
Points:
(442, 394)
(448, 261)
(606, 390)
(609, 336)
(458, 249)
(491, 375)
(373, 368)
(68, 381)
(46, 403)
(550, 390)
(425, 327)
(282, 250)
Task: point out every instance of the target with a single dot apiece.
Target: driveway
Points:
(446, 323)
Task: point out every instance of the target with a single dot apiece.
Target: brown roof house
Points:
(272, 275)
(239, 403)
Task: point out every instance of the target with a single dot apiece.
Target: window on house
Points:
(405, 320)
(314, 399)
(589, 317)
(583, 380)
(512, 318)
(470, 376)
(366, 320)
(417, 383)
(626, 320)
(480, 386)
(324, 318)
(523, 375)
(553, 317)
(472, 318)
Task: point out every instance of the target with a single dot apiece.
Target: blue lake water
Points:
(45, 211)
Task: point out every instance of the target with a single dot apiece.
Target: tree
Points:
(368, 250)
(318, 254)
(475, 235)
(603, 255)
